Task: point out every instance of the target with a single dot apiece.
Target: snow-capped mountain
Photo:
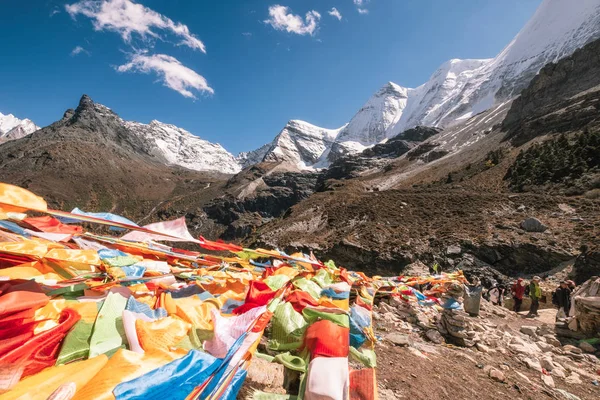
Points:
(372, 122)
(12, 127)
(179, 147)
(460, 89)
(463, 88)
(248, 158)
(299, 143)
(169, 144)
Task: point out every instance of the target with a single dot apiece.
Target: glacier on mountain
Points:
(299, 144)
(12, 127)
(460, 89)
(179, 147)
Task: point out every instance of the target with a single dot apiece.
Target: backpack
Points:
(555, 298)
(526, 293)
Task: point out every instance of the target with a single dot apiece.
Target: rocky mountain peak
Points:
(68, 114)
(85, 102)
(392, 89)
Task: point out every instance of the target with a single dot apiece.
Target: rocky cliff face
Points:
(564, 96)
(240, 211)
(587, 265)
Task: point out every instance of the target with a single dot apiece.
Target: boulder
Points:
(453, 250)
(545, 347)
(533, 363)
(527, 349)
(559, 372)
(533, 225)
(547, 364)
(588, 348)
(548, 381)
(572, 349)
(497, 375)
(552, 340)
(574, 379)
(529, 330)
(435, 336)
(586, 304)
(399, 339)
(483, 348)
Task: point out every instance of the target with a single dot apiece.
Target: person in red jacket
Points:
(518, 291)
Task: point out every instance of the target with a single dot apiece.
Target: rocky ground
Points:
(502, 355)
(510, 356)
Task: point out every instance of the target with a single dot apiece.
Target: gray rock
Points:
(548, 381)
(399, 339)
(434, 336)
(453, 250)
(482, 347)
(547, 364)
(545, 330)
(545, 347)
(529, 330)
(567, 395)
(574, 379)
(388, 316)
(552, 340)
(533, 225)
(559, 372)
(588, 348)
(533, 363)
(572, 349)
(527, 349)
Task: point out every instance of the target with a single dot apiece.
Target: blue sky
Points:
(254, 76)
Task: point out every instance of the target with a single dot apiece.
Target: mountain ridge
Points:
(456, 91)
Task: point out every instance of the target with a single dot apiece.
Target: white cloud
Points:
(335, 13)
(283, 20)
(247, 34)
(78, 50)
(54, 12)
(361, 4)
(126, 17)
(172, 73)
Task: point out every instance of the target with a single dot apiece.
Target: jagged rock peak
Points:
(85, 102)
(68, 114)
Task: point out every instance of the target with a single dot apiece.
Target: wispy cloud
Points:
(361, 6)
(282, 19)
(126, 17)
(172, 73)
(335, 13)
(79, 50)
(54, 12)
(247, 34)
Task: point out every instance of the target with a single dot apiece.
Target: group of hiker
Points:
(561, 297)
